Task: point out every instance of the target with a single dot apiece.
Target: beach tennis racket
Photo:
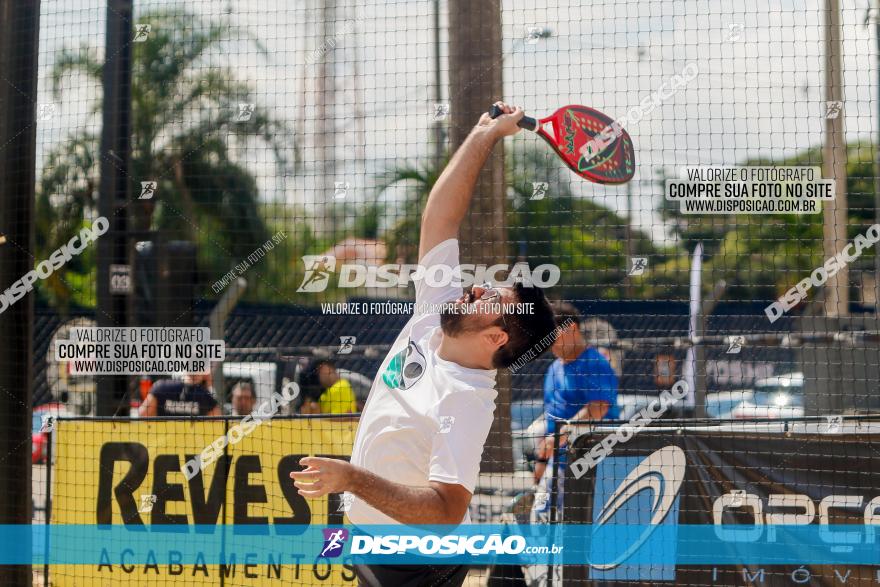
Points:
(592, 144)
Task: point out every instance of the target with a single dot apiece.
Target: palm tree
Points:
(402, 236)
(582, 237)
(187, 123)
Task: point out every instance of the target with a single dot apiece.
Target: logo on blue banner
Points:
(334, 541)
(631, 491)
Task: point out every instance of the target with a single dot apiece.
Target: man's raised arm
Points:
(451, 197)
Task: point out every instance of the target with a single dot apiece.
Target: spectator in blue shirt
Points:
(579, 385)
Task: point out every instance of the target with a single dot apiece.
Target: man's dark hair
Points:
(525, 330)
(566, 311)
(310, 385)
(318, 363)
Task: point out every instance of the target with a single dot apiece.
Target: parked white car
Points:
(721, 404)
(773, 398)
(780, 396)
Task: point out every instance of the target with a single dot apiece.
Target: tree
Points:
(188, 118)
(415, 182)
(760, 257)
(583, 238)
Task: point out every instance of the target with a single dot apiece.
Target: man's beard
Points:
(453, 321)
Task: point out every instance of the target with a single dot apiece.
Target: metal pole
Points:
(225, 502)
(216, 321)
(474, 84)
(19, 45)
(877, 167)
(701, 377)
(628, 290)
(325, 130)
(47, 507)
(554, 493)
(115, 187)
(439, 143)
(836, 301)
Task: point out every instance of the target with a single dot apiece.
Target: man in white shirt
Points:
(417, 453)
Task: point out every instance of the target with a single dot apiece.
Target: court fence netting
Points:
(258, 170)
(125, 471)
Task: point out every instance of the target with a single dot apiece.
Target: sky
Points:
(759, 90)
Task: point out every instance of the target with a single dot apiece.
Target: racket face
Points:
(592, 144)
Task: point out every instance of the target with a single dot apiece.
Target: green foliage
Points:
(185, 131)
(66, 197)
(415, 182)
(762, 256)
(585, 239)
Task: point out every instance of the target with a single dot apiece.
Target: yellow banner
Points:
(130, 472)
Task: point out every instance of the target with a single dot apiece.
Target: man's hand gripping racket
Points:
(592, 144)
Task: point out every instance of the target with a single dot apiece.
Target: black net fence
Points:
(257, 175)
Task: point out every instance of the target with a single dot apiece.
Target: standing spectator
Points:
(579, 385)
(334, 395)
(310, 389)
(243, 398)
(190, 397)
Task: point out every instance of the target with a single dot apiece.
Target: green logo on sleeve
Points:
(406, 368)
(391, 376)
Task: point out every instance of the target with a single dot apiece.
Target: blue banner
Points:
(602, 547)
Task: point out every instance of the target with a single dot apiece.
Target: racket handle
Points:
(526, 122)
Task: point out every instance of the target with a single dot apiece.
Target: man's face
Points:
(568, 339)
(476, 310)
(327, 375)
(202, 379)
(242, 401)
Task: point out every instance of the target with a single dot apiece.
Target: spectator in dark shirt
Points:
(190, 397)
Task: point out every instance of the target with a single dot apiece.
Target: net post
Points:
(554, 492)
(47, 507)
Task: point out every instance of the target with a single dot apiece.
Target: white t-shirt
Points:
(426, 419)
